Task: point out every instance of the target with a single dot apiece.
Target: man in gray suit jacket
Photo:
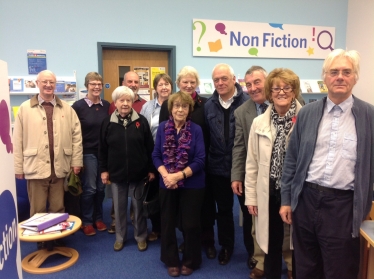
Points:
(244, 115)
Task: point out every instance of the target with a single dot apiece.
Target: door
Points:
(116, 62)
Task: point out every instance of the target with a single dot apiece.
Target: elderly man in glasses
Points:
(327, 180)
(48, 143)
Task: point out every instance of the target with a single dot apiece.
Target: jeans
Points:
(93, 191)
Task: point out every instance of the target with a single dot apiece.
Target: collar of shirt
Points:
(156, 104)
(90, 103)
(258, 109)
(137, 98)
(41, 101)
(228, 103)
(344, 106)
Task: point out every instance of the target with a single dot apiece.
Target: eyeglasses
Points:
(45, 82)
(286, 89)
(178, 106)
(345, 72)
(95, 84)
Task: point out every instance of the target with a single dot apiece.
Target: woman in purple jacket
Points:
(179, 156)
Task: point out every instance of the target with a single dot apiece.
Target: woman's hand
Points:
(170, 179)
(105, 177)
(286, 213)
(252, 209)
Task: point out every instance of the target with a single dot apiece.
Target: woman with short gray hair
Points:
(126, 146)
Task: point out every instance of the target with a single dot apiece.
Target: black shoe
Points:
(224, 256)
(211, 252)
(251, 263)
(181, 248)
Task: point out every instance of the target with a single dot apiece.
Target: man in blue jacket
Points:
(328, 174)
(219, 113)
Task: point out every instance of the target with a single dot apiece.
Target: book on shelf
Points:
(51, 230)
(41, 221)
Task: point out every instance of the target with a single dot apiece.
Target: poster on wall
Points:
(156, 71)
(10, 252)
(206, 86)
(143, 73)
(222, 38)
(36, 61)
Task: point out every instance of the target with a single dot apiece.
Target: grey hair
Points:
(352, 55)
(256, 69)
(188, 71)
(227, 66)
(122, 90)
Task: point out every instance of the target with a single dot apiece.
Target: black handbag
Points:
(151, 202)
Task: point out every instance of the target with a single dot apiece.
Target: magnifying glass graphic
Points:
(331, 39)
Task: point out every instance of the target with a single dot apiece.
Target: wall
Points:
(360, 36)
(69, 30)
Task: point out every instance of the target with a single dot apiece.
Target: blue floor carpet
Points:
(97, 259)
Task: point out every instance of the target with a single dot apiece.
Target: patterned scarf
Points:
(282, 126)
(175, 154)
(124, 120)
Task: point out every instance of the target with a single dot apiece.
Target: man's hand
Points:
(237, 187)
(253, 210)
(76, 170)
(20, 176)
(151, 176)
(105, 177)
(286, 213)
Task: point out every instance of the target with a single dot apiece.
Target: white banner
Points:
(10, 252)
(222, 38)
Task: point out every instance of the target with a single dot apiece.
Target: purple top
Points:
(196, 156)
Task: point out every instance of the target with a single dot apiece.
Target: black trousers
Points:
(322, 235)
(224, 199)
(247, 226)
(185, 205)
(208, 217)
(273, 259)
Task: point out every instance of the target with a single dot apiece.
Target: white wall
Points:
(360, 36)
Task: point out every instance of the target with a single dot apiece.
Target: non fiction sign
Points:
(222, 38)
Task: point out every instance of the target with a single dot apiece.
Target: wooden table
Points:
(32, 262)
(367, 264)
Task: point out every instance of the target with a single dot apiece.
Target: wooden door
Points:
(114, 62)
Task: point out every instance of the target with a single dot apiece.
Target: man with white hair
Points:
(328, 174)
(48, 143)
(219, 115)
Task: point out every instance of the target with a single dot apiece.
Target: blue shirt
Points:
(259, 109)
(151, 111)
(334, 160)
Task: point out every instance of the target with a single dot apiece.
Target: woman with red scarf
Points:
(179, 156)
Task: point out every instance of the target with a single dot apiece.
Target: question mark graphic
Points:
(203, 29)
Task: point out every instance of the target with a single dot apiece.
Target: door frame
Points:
(170, 49)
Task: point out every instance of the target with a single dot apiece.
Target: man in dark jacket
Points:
(219, 114)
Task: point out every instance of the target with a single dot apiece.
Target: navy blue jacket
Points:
(220, 154)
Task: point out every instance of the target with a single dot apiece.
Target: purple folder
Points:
(41, 221)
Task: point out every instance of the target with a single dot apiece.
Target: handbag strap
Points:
(144, 189)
